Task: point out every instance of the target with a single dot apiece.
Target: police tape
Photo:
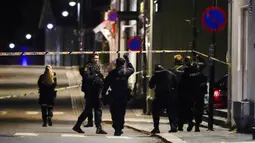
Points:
(212, 58)
(33, 93)
(87, 52)
(105, 52)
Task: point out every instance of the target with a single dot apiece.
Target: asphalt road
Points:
(20, 118)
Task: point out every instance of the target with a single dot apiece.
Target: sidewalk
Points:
(219, 135)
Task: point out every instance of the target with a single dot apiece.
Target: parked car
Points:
(220, 93)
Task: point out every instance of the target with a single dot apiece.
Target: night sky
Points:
(18, 17)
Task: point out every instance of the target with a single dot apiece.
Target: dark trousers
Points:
(47, 112)
(89, 106)
(118, 112)
(90, 117)
(185, 112)
(199, 110)
(158, 105)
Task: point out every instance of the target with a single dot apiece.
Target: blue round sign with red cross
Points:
(135, 43)
(214, 19)
(112, 16)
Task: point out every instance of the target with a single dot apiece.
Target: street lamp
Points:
(50, 26)
(11, 45)
(72, 3)
(65, 13)
(28, 36)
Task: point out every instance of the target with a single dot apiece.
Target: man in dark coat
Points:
(165, 84)
(92, 84)
(117, 80)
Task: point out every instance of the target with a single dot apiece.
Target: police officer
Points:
(165, 97)
(199, 94)
(47, 83)
(178, 70)
(90, 116)
(195, 84)
(117, 80)
(92, 84)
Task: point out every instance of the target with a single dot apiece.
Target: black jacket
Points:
(92, 79)
(117, 80)
(47, 93)
(163, 81)
(178, 70)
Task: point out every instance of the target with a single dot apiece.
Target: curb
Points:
(108, 121)
(171, 139)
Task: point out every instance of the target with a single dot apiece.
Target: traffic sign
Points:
(214, 19)
(112, 16)
(135, 43)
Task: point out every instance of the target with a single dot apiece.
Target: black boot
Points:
(49, 122)
(173, 129)
(100, 131)
(118, 132)
(44, 122)
(155, 131)
(180, 128)
(197, 128)
(190, 127)
(77, 128)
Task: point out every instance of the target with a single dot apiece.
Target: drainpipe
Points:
(229, 117)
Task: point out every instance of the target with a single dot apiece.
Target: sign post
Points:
(213, 20)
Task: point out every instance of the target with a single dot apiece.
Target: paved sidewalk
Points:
(219, 135)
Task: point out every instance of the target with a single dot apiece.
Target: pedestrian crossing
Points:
(27, 134)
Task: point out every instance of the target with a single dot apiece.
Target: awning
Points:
(105, 24)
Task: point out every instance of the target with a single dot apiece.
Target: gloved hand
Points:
(125, 56)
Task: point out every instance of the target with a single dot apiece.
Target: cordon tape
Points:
(87, 52)
(25, 94)
(106, 52)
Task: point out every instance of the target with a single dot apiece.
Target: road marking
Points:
(32, 112)
(117, 137)
(58, 113)
(25, 134)
(73, 135)
(3, 112)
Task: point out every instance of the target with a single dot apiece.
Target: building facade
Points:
(243, 50)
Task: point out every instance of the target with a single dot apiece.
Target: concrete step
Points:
(219, 121)
(221, 113)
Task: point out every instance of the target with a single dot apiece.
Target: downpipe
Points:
(229, 113)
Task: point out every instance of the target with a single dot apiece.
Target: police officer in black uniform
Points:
(178, 70)
(92, 84)
(195, 84)
(199, 94)
(117, 80)
(90, 116)
(165, 97)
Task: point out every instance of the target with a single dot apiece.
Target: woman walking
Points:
(47, 83)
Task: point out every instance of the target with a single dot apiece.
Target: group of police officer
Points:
(95, 88)
(179, 90)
